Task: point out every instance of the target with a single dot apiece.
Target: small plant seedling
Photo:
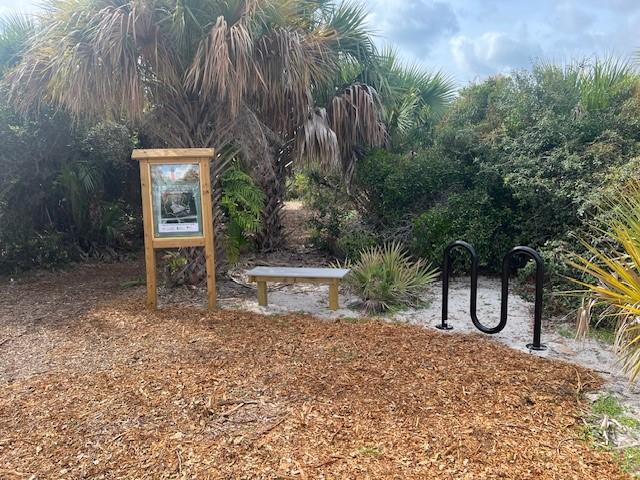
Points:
(610, 406)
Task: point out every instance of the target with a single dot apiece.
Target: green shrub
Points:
(469, 216)
(392, 186)
(297, 187)
(20, 251)
(385, 278)
(353, 242)
(432, 231)
(334, 216)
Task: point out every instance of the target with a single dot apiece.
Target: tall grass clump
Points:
(386, 278)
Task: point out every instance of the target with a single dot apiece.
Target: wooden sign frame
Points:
(203, 237)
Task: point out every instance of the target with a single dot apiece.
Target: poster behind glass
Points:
(175, 191)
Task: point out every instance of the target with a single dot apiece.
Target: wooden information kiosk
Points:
(176, 207)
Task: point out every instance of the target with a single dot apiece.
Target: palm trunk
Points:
(272, 236)
(271, 177)
(188, 132)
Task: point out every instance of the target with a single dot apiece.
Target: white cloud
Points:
(570, 17)
(415, 25)
(493, 52)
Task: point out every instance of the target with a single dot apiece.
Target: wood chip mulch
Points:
(181, 394)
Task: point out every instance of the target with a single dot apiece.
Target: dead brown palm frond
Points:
(85, 61)
(318, 144)
(288, 63)
(583, 318)
(222, 64)
(355, 118)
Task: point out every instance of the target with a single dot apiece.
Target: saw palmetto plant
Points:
(385, 278)
(616, 271)
(595, 81)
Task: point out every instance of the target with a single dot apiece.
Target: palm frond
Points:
(617, 275)
(354, 116)
(16, 30)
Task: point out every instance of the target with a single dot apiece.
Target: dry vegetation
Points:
(93, 386)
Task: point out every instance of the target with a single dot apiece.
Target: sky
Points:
(472, 39)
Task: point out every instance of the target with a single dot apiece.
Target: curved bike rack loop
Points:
(506, 263)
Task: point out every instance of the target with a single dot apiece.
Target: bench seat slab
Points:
(317, 276)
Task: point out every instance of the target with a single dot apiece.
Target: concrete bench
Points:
(317, 276)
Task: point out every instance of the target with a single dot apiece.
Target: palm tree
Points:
(412, 97)
(234, 74)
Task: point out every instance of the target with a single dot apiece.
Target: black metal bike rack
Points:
(506, 267)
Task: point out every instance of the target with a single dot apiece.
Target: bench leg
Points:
(262, 294)
(333, 296)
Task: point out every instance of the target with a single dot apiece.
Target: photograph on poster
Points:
(176, 200)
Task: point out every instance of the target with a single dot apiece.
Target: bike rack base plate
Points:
(444, 327)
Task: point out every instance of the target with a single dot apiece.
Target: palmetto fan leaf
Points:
(410, 93)
(346, 30)
(15, 33)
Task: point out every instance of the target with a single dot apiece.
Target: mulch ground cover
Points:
(119, 392)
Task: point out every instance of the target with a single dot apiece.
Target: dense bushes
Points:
(522, 159)
(337, 226)
(392, 186)
(66, 191)
(71, 192)
(473, 216)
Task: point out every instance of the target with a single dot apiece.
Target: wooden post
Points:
(333, 295)
(262, 293)
(203, 236)
(207, 220)
(149, 252)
